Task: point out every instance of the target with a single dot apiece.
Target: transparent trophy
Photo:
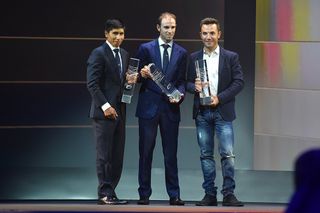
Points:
(129, 87)
(168, 88)
(202, 74)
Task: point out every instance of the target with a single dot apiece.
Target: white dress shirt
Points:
(160, 41)
(212, 59)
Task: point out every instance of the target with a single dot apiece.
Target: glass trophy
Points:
(202, 74)
(167, 87)
(129, 87)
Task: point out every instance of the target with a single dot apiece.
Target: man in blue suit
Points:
(105, 81)
(225, 82)
(156, 109)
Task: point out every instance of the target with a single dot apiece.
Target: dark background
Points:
(45, 133)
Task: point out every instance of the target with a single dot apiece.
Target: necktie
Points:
(117, 57)
(165, 58)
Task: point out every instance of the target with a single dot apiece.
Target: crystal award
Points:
(129, 87)
(167, 87)
(202, 74)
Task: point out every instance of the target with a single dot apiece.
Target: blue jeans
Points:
(209, 122)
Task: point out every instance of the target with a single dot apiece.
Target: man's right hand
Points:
(132, 78)
(110, 113)
(145, 72)
(197, 85)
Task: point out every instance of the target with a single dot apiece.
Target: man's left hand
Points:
(214, 101)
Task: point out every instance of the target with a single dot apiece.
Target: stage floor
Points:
(155, 206)
(80, 184)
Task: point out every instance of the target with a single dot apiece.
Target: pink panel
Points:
(283, 20)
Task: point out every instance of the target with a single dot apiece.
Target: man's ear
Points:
(158, 27)
(220, 33)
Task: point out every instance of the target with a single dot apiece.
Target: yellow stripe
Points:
(263, 20)
(300, 20)
(290, 64)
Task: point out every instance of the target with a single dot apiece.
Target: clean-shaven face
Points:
(210, 36)
(115, 36)
(167, 28)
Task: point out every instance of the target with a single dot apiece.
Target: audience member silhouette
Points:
(306, 197)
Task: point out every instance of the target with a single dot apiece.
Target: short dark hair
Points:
(162, 15)
(113, 24)
(210, 20)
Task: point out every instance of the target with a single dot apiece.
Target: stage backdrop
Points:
(46, 140)
(287, 97)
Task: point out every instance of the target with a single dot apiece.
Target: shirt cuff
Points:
(105, 106)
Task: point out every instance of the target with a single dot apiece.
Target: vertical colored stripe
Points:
(314, 24)
(301, 20)
(290, 65)
(287, 20)
(283, 26)
(262, 20)
(272, 54)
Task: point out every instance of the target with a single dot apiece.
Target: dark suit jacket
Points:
(150, 95)
(103, 80)
(229, 85)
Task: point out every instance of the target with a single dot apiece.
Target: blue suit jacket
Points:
(229, 85)
(150, 96)
(103, 80)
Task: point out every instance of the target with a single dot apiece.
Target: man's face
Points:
(167, 28)
(115, 36)
(210, 36)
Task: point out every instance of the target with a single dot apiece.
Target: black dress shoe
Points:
(111, 200)
(231, 200)
(208, 200)
(107, 200)
(176, 201)
(143, 201)
(119, 202)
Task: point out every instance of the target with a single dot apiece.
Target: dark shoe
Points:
(106, 201)
(119, 202)
(176, 201)
(231, 200)
(143, 201)
(208, 200)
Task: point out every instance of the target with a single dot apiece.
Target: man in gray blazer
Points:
(106, 68)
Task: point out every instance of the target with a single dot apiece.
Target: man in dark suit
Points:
(156, 109)
(105, 73)
(225, 82)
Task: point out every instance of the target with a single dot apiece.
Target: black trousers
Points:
(110, 141)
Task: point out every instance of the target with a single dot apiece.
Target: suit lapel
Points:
(124, 59)
(156, 54)
(221, 65)
(173, 58)
(112, 61)
(199, 55)
(221, 61)
(110, 55)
